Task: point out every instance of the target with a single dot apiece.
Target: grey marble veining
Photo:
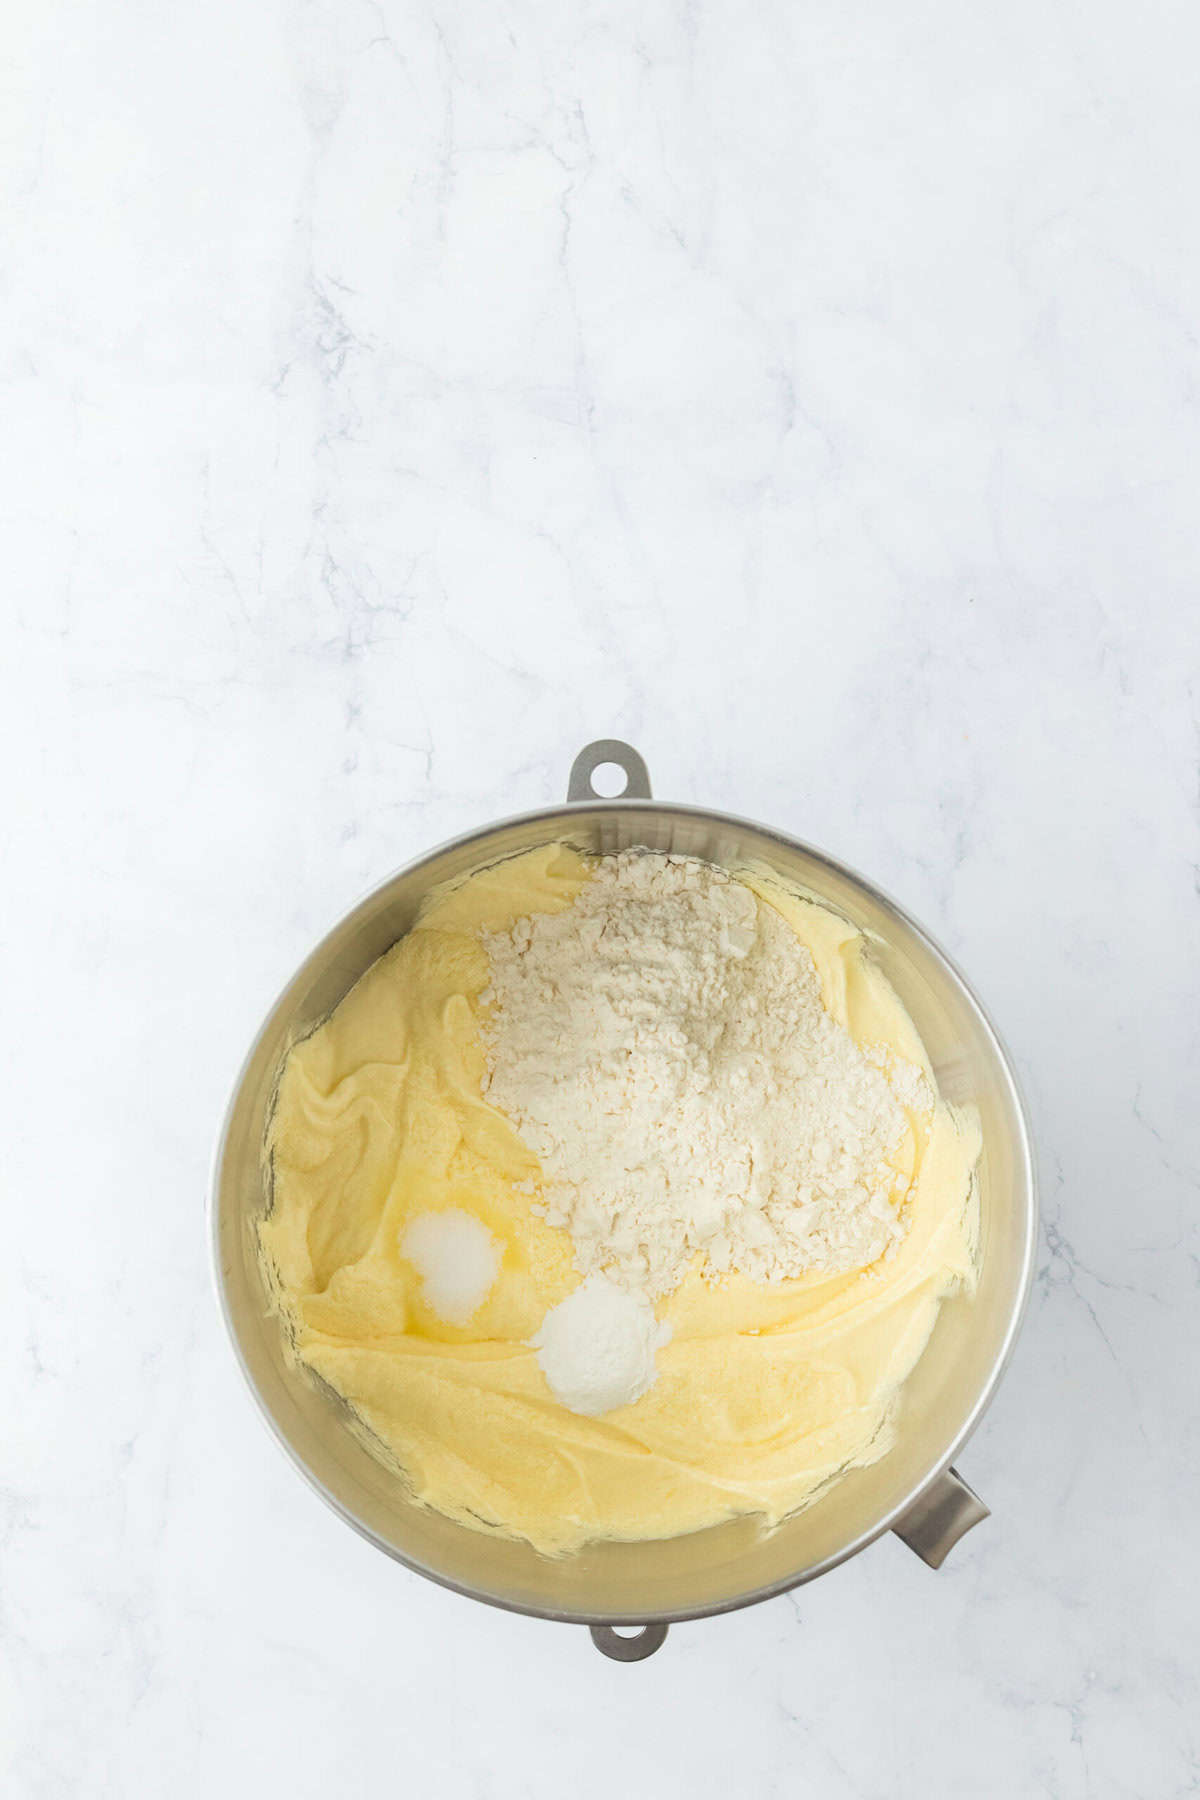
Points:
(396, 397)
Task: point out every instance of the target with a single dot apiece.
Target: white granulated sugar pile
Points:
(662, 1048)
(457, 1259)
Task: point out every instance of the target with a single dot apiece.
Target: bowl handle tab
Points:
(609, 1641)
(946, 1510)
(609, 750)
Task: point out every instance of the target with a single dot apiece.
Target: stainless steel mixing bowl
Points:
(912, 1490)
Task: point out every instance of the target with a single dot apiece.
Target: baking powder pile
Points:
(597, 1346)
(662, 1048)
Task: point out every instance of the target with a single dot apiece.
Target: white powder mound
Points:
(662, 1048)
(457, 1259)
(596, 1348)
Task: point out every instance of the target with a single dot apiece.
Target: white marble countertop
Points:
(398, 397)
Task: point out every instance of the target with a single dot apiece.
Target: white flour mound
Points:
(662, 1048)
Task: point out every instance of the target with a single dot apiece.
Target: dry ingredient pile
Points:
(662, 1047)
(617, 1199)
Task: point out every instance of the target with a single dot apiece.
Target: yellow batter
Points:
(764, 1392)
